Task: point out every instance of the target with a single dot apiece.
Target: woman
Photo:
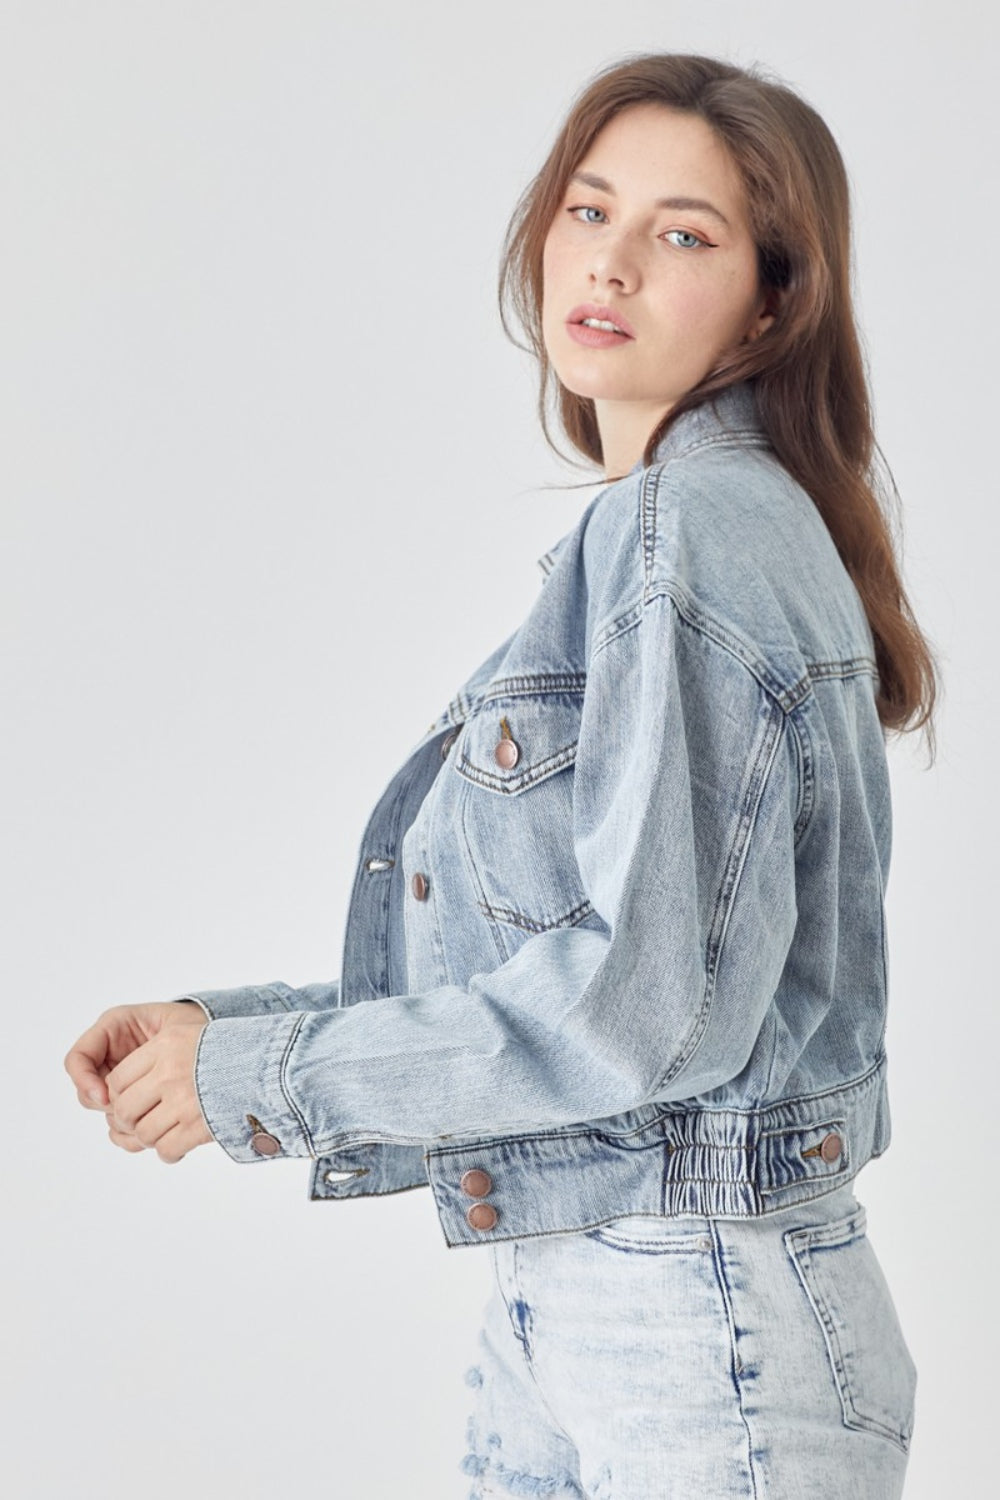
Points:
(622, 907)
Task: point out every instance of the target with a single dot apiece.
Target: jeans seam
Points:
(737, 1367)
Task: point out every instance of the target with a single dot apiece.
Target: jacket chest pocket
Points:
(515, 755)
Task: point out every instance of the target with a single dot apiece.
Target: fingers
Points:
(126, 1141)
(154, 1125)
(162, 1132)
(83, 1062)
(136, 1063)
(153, 1094)
(157, 1131)
(133, 1067)
(175, 1144)
(129, 1107)
(114, 1034)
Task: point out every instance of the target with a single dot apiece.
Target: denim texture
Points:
(662, 1359)
(647, 970)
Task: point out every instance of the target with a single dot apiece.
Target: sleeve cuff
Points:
(247, 1000)
(240, 1080)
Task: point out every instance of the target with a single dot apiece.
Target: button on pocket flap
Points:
(513, 742)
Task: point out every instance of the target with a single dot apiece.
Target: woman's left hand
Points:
(153, 1100)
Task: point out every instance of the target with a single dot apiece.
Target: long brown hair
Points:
(807, 368)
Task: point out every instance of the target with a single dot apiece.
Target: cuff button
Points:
(476, 1183)
(264, 1143)
(482, 1216)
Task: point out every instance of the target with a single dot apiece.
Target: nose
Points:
(614, 262)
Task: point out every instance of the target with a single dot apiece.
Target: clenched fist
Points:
(136, 1064)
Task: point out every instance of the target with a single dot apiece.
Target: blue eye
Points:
(691, 238)
(688, 240)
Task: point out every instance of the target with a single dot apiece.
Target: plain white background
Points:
(272, 485)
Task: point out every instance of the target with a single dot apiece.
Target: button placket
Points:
(414, 853)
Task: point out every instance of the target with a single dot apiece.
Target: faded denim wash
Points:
(644, 968)
(669, 1359)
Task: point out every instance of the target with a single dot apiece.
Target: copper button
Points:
(419, 885)
(507, 754)
(265, 1144)
(447, 742)
(482, 1216)
(830, 1146)
(476, 1183)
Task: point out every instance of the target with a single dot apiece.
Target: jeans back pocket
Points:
(874, 1372)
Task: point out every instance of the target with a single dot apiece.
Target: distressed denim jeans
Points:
(693, 1359)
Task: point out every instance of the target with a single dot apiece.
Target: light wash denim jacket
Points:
(616, 939)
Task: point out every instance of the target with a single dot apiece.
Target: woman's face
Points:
(658, 236)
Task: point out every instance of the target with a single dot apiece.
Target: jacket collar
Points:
(731, 415)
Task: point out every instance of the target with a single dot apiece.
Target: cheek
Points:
(738, 296)
(709, 308)
(690, 305)
(550, 260)
(552, 276)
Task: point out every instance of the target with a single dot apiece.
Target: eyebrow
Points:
(590, 179)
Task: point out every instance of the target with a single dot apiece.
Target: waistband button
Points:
(830, 1146)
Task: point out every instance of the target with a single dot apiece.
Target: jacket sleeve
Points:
(686, 795)
(274, 999)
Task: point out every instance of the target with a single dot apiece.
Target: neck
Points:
(624, 427)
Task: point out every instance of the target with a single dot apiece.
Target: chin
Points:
(592, 383)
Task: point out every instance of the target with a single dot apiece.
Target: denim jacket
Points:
(616, 939)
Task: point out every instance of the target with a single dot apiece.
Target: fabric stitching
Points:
(286, 1088)
(737, 1364)
(530, 924)
(765, 760)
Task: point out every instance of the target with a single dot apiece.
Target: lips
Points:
(607, 314)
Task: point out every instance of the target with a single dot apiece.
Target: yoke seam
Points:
(698, 619)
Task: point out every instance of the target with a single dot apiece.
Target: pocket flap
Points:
(514, 741)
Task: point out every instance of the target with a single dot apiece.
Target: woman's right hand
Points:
(115, 1034)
